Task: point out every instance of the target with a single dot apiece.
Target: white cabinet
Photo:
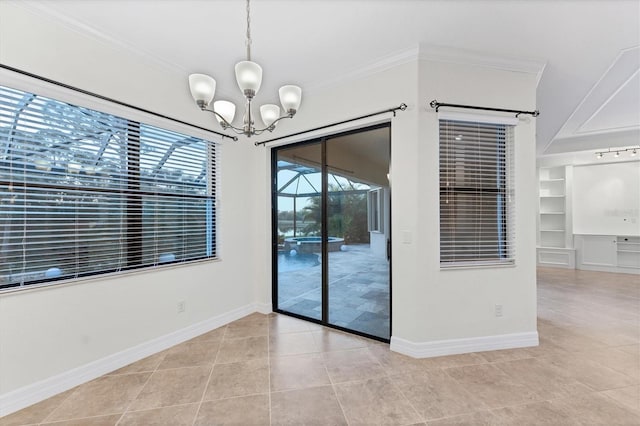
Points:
(609, 253)
(628, 252)
(555, 245)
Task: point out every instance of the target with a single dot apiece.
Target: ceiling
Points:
(588, 92)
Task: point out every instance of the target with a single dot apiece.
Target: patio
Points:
(358, 290)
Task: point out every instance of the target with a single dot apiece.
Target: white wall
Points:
(606, 199)
(460, 303)
(44, 332)
(431, 305)
(48, 331)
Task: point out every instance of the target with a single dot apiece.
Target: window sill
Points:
(478, 266)
(97, 277)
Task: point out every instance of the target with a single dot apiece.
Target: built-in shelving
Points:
(555, 244)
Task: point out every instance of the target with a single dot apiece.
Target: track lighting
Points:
(633, 150)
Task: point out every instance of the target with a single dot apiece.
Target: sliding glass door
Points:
(298, 225)
(331, 228)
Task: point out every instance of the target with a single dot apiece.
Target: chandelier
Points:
(249, 78)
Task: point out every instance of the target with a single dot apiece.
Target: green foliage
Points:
(346, 216)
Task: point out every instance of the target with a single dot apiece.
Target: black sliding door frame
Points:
(324, 233)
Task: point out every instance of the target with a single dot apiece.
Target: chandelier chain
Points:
(249, 78)
(248, 32)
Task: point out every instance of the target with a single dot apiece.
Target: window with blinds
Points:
(83, 192)
(476, 194)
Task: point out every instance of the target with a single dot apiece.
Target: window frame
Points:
(134, 117)
(505, 205)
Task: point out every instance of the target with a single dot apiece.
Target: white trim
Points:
(382, 64)
(462, 346)
(478, 118)
(437, 54)
(263, 308)
(28, 395)
(470, 57)
(44, 10)
(557, 135)
(604, 105)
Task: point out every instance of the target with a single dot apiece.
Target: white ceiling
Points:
(588, 94)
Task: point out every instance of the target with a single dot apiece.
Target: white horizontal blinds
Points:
(74, 183)
(476, 199)
(173, 180)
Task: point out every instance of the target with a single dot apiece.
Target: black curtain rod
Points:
(95, 95)
(435, 104)
(401, 107)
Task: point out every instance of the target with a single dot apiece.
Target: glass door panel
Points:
(358, 232)
(298, 221)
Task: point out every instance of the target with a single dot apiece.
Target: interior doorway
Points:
(332, 231)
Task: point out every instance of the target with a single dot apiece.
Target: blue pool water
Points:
(288, 263)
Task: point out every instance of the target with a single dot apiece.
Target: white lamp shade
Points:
(249, 76)
(226, 109)
(202, 87)
(269, 113)
(290, 97)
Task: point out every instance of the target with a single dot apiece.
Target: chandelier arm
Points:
(273, 124)
(225, 124)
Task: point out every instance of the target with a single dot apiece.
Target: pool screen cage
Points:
(299, 193)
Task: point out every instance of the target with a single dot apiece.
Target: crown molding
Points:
(382, 64)
(44, 10)
(469, 57)
(437, 54)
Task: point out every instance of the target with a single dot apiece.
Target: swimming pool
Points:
(288, 263)
(312, 244)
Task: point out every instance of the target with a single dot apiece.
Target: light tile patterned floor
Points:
(274, 369)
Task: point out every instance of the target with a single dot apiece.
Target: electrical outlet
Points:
(498, 310)
(182, 306)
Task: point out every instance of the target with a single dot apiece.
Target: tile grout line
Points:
(141, 388)
(70, 420)
(206, 386)
(59, 405)
(389, 377)
(333, 388)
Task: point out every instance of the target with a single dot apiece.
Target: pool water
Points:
(288, 263)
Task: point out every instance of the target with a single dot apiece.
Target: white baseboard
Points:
(461, 346)
(28, 395)
(263, 308)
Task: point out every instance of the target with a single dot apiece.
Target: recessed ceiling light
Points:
(458, 138)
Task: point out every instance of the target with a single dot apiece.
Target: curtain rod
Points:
(401, 107)
(435, 104)
(105, 98)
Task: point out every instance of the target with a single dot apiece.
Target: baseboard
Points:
(263, 308)
(461, 346)
(39, 391)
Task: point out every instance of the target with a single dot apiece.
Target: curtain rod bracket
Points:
(436, 105)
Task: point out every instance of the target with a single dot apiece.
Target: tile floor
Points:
(273, 369)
